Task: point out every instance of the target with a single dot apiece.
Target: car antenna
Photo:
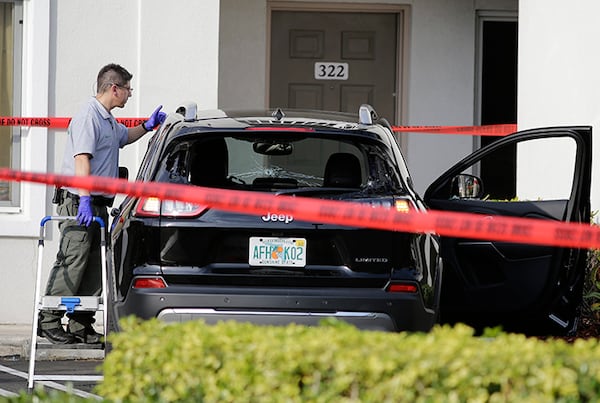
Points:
(278, 114)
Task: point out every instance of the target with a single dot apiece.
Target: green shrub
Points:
(591, 290)
(227, 362)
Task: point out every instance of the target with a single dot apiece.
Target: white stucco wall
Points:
(243, 54)
(172, 51)
(17, 248)
(441, 79)
(559, 81)
(173, 57)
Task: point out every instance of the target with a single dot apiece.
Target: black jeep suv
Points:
(179, 261)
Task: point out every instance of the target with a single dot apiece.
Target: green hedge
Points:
(235, 362)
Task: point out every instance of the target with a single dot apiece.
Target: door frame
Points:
(482, 17)
(402, 40)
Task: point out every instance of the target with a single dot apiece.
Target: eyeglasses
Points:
(123, 86)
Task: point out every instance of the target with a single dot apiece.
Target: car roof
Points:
(366, 123)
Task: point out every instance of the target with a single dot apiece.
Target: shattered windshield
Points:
(282, 163)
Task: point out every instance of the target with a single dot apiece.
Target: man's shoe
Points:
(87, 335)
(57, 335)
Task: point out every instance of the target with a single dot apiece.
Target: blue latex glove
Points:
(84, 213)
(155, 119)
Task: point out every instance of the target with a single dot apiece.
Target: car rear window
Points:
(286, 162)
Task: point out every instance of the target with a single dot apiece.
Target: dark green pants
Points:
(78, 266)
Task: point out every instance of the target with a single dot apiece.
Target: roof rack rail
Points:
(188, 110)
(366, 114)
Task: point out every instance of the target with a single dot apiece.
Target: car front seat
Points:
(209, 166)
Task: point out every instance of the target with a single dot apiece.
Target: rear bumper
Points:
(362, 320)
(365, 308)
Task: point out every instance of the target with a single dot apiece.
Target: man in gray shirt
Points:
(92, 148)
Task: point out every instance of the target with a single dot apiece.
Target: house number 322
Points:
(331, 71)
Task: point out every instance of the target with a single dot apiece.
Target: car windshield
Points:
(271, 163)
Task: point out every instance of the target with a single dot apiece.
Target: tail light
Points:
(149, 282)
(407, 288)
(402, 205)
(154, 207)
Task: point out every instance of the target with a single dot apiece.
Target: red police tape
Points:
(57, 123)
(487, 130)
(510, 229)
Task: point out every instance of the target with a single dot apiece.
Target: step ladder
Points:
(69, 304)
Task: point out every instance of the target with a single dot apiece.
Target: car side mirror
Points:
(123, 173)
(465, 186)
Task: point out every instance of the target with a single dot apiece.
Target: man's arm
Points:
(83, 168)
(135, 133)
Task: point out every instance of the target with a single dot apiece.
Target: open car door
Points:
(529, 288)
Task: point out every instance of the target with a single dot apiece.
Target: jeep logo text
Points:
(277, 217)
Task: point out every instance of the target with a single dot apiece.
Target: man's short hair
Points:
(112, 74)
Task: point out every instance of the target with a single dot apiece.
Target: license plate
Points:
(282, 252)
